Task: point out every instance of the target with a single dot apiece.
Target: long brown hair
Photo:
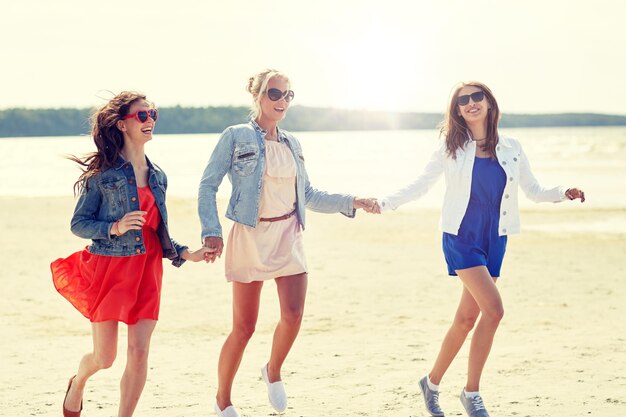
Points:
(108, 138)
(455, 130)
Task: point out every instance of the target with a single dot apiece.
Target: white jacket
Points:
(458, 175)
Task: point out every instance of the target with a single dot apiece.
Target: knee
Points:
(104, 360)
(466, 322)
(494, 314)
(292, 316)
(243, 332)
(138, 354)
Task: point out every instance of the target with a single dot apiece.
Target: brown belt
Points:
(279, 218)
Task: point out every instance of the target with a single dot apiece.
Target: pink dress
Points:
(272, 249)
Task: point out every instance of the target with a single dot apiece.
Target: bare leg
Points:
(292, 294)
(466, 315)
(246, 298)
(136, 371)
(483, 288)
(104, 336)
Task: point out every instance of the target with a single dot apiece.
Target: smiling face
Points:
(133, 128)
(274, 111)
(474, 112)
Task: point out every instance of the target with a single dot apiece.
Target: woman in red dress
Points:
(117, 278)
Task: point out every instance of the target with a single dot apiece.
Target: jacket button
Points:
(506, 196)
(503, 162)
(510, 178)
(137, 238)
(133, 199)
(138, 250)
(503, 213)
(515, 159)
(498, 148)
(503, 230)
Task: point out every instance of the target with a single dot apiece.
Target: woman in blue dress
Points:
(483, 170)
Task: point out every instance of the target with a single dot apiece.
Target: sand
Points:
(378, 306)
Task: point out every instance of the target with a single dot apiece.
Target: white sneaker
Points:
(275, 392)
(229, 411)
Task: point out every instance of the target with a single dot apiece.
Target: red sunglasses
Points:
(142, 115)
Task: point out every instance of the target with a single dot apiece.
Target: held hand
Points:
(370, 205)
(214, 243)
(574, 193)
(133, 220)
(198, 255)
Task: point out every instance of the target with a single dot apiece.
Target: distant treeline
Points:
(69, 122)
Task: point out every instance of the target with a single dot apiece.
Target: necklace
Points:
(479, 140)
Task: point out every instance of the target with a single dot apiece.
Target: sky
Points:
(537, 56)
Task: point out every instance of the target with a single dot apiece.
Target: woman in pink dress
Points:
(117, 278)
(271, 189)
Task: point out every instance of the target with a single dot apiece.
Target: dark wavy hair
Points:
(108, 138)
(455, 130)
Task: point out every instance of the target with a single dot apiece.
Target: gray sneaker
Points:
(431, 398)
(474, 405)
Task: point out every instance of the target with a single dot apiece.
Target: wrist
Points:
(115, 229)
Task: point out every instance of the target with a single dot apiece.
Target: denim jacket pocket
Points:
(245, 159)
(116, 197)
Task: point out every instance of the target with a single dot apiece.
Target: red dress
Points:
(122, 288)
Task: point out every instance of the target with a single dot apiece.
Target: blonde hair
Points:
(257, 85)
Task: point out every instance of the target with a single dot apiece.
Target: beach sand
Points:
(378, 306)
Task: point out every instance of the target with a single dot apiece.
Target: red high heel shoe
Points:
(66, 412)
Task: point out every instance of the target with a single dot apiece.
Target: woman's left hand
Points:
(574, 193)
(370, 205)
(197, 255)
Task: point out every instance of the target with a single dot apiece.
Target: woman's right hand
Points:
(370, 205)
(216, 243)
(133, 220)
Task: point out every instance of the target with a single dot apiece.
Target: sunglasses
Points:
(142, 115)
(476, 97)
(275, 94)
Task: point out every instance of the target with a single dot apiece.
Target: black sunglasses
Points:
(275, 94)
(476, 97)
(142, 115)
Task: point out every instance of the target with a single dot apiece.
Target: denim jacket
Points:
(458, 175)
(240, 153)
(110, 194)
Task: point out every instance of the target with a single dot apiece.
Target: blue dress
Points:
(477, 242)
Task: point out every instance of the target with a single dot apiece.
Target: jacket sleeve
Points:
(219, 164)
(431, 173)
(178, 260)
(323, 202)
(84, 220)
(533, 189)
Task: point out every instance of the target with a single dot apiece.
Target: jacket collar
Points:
(120, 162)
(280, 136)
(502, 140)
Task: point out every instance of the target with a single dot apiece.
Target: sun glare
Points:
(379, 71)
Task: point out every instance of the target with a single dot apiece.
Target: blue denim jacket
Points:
(110, 194)
(240, 153)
